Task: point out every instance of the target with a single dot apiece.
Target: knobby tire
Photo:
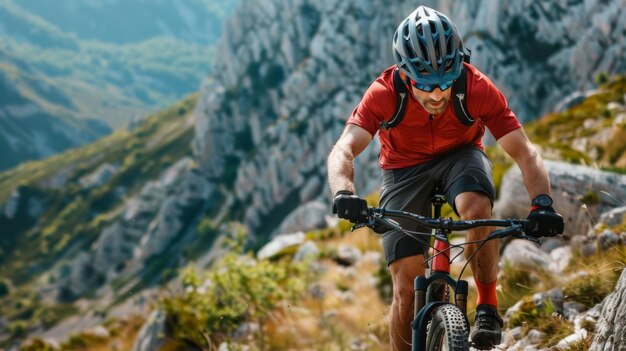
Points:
(448, 330)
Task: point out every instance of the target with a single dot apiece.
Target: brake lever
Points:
(372, 222)
(529, 238)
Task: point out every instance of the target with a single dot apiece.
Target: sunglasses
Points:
(430, 87)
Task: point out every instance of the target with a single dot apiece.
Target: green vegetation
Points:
(593, 279)
(111, 71)
(97, 80)
(581, 345)
(237, 290)
(25, 309)
(518, 282)
(76, 215)
(542, 318)
(500, 161)
(574, 134)
(590, 280)
(590, 198)
(600, 275)
(5, 287)
(588, 290)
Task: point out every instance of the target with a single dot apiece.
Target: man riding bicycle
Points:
(435, 146)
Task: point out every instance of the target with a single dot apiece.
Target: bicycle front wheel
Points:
(448, 330)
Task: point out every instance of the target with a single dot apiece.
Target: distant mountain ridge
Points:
(125, 22)
(110, 62)
(28, 131)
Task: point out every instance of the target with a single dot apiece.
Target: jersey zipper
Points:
(431, 118)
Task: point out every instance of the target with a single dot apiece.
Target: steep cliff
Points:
(288, 74)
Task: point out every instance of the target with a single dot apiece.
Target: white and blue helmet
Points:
(428, 48)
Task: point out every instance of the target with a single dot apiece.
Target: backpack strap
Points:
(459, 88)
(459, 101)
(402, 94)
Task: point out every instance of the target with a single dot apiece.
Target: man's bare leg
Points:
(403, 273)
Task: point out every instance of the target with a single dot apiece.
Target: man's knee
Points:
(403, 273)
(473, 205)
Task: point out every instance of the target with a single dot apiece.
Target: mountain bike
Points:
(439, 323)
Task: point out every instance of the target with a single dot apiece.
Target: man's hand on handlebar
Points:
(349, 206)
(543, 220)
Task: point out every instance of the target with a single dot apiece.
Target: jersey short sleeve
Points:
(378, 104)
(490, 105)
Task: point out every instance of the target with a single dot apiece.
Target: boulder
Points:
(581, 194)
(100, 176)
(310, 216)
(281, 244)
(614, 216)
(152, 335)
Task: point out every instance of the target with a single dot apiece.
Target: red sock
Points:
(487, 293)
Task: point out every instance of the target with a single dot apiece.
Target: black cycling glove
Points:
(543, 220)
(349, 206)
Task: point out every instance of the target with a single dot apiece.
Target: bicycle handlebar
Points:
(511, 226)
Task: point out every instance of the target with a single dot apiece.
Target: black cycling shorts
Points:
(411, 189)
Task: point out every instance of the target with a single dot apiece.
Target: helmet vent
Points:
(419, 29)
(433, 28)
(445, 25)
(423, 49)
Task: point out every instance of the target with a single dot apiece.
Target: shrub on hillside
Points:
(238, 289)
(5, 287)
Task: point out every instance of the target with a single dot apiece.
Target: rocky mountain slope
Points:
(285, 82)
(29, 131)
(63, 63)
(92, 228)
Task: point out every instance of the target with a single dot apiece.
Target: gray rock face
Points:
(289, 72)
(285, 89)
(152, 334)
(614, 217)
(100, 176)
(610, 335)
(312, 215)
(581, 194)
(151, 223)
(538, 51)
(522, 252)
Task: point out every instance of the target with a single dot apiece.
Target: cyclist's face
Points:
(434, 102)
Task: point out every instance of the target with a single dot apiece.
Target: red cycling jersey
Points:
(420, 136)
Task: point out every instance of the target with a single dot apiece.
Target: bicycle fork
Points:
(438, 280)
